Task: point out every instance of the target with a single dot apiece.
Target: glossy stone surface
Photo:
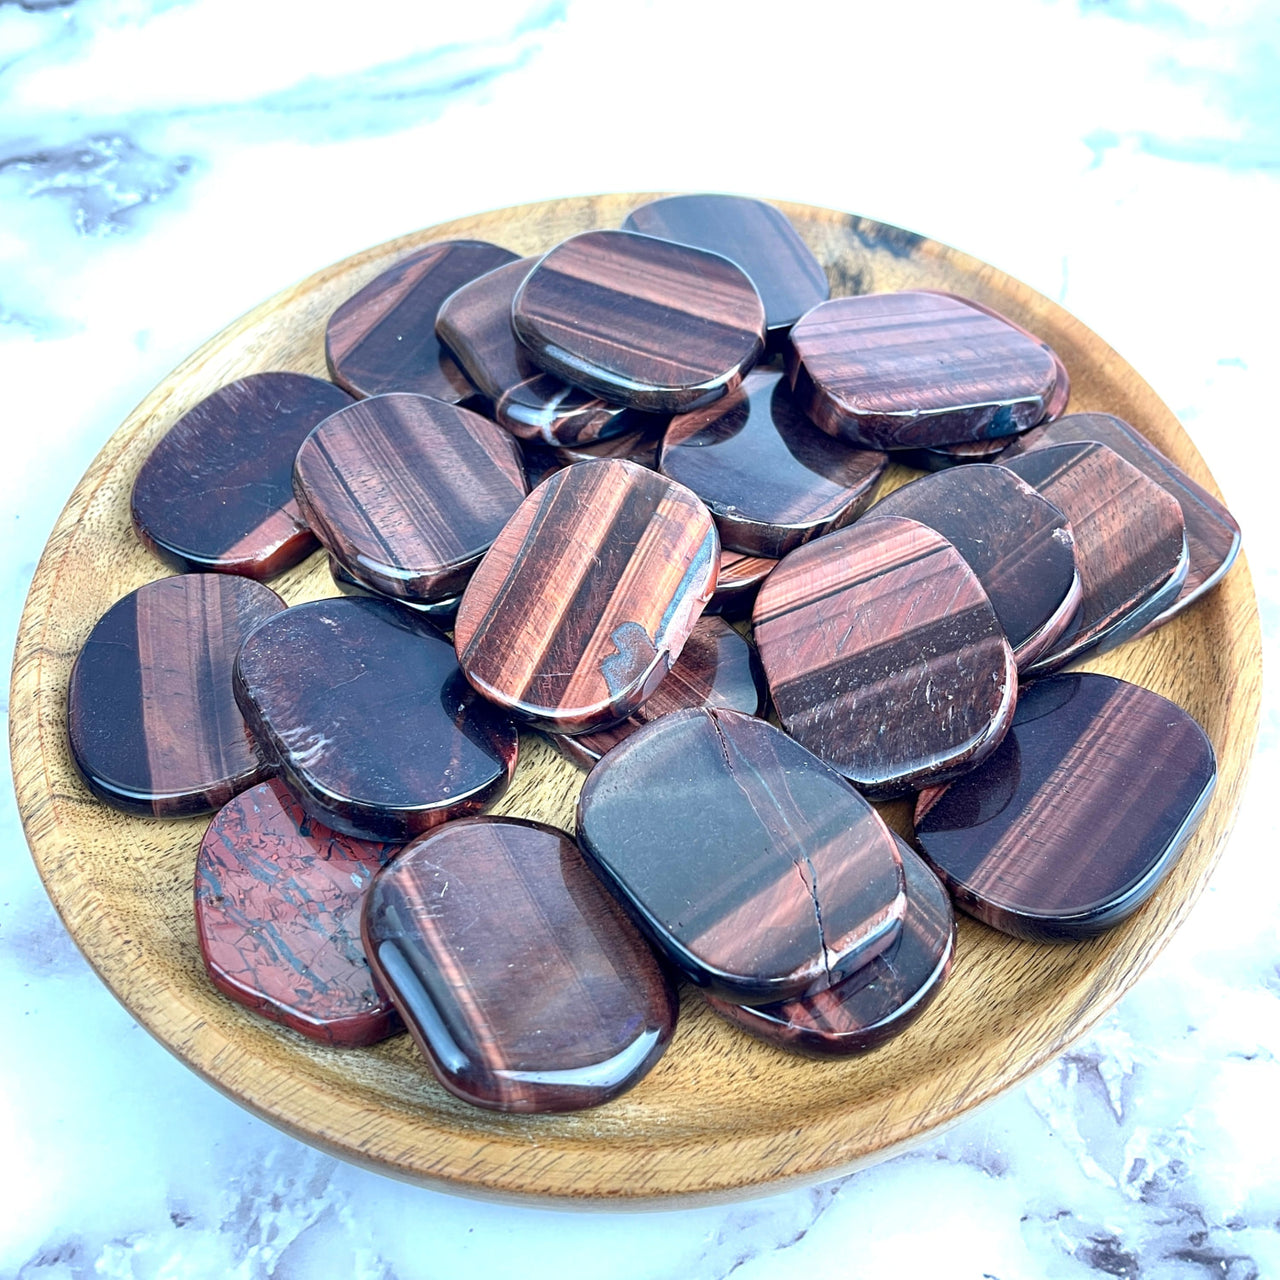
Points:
(549, 410)
(915, 371)
(717, 668)
(755, 235)
(739, 580)
(639, 446)
(151, 718)
(383, 338)
(441, 612)
(1131, 550)
(642, 322)
(1213, 536)
(521, 980)
(278, 900)
(884, 656)
(373, 727)
(407, 493)
(757, 870)
(1071, 825)
(952, 455)
(587, 596)
(878, 1001)
(1020, 546)
(772, 480)
(216, 493)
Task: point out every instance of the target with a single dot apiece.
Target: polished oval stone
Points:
(884, 656)
(549, 410)
(278, 900)
(441, 612)
(717, 668)
(587, 596)
(522, 982)
(1131, 549)
(755, 235)
(1071, 825)
(216, 493)
(151, 718)
(773, 481)
(1213, 536)
(1020, 546)
(642, 322)
(916, 370)
(739, 580)
(362, 706)
(757, 870)
(407, 492)
(383, 338)
(878, 1001)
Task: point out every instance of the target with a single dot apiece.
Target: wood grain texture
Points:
(720, 1116)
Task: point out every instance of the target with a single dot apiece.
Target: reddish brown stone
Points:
(739, 580)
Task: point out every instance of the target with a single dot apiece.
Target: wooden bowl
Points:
(722, 1115)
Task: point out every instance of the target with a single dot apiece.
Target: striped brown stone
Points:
(739, 580)
(587, 596)
(884, 656)
(407, 492)
(642, 322)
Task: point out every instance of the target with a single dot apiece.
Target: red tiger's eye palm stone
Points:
(362, 706)
(642, 322)
(383, 338)
(152, 720)
(782, 881)
(884, 656)
(441, 612)
(739, 580)
(217, 492)
(916, 371)
(878, 1001)
(772, 480)
(407, 493)
(278, 900)
(522, 982)
(587, 596)
(1071, 825)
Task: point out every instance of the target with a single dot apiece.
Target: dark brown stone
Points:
(441, 612)
(522, 982)
(739, 580)
(884, 656)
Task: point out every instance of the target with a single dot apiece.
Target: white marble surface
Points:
(165, 164)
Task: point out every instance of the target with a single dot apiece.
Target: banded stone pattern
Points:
(216, 493)
(1071, 825)
(884, 656)
(407, 492)
(587, 596)
(547, 409)
(278, 901)
(152, 721)
(642, 322)
(522, 982)
(383, 338)
(739, 580)
(916, 370)
(786, 880)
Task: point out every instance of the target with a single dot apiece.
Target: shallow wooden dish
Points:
(721, 1116)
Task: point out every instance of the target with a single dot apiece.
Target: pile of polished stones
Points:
(637, 478)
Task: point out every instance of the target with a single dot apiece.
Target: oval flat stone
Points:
(441, 612)
(1131, 548)
(1071, 825)
(755, 235)
(878, 1001)
(884, 656)
(642, 322)
(522, 982)
(407, 493)
(216, 493)
(916, 370)
(756, 869)
(383, 338)
(1019, 544)
(151, 718)
(772, 480)
(587, 596)
(717, 668)
(1213, 536)
(739, 580)
(278, 901)
(363, 708)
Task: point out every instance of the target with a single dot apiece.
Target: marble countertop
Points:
(166, 164)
